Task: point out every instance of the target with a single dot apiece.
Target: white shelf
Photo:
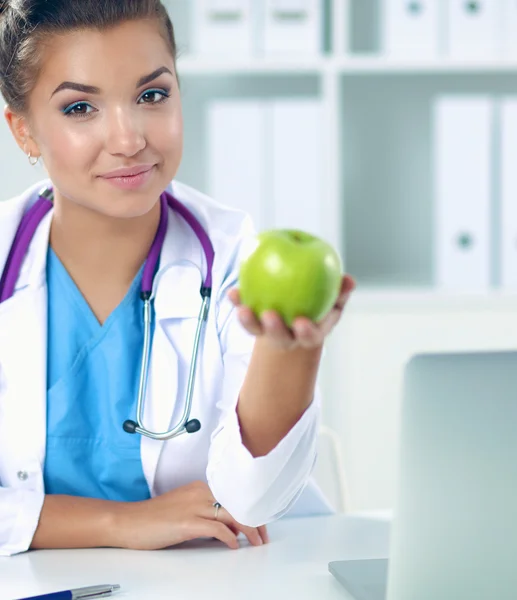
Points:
(381, 65)
(355, 65)
(408, 299)
(361, 203)
(217, 66)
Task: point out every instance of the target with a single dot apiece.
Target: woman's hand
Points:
(304, 333)
(183, 514)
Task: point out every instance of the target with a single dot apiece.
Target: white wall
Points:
(364, 373)
(17, 173)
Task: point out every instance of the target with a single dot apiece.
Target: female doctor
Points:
(91, 90)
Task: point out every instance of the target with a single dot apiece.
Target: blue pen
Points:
(97, 591)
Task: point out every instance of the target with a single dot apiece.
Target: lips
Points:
(130, 179)
(128, 172)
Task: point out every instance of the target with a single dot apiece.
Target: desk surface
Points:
(294, 565)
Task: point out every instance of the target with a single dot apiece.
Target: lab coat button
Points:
(23, 475)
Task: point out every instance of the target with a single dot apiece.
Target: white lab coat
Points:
(254, 490)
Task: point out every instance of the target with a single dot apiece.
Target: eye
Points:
(79, 109)
(154, 96)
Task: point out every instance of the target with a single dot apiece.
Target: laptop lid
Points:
(455, 527)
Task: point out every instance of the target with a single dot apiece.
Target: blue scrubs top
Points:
(92, 384)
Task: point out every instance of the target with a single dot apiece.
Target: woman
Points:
(91, 89)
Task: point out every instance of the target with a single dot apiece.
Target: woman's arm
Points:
(73, 522)
(278, 388)
(263, 449)
(281, 379)
(183, 514)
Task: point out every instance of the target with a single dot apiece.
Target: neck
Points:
(109, 250)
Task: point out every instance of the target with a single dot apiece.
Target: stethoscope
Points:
(28, 225)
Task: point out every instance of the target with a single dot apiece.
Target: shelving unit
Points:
(388, 66)
(354, 65)
(377, 200)
(377, 109)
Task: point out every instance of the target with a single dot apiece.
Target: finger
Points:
(307, 333)
(332, 318)
(275, 328)
(343, 300)
(234, 296)
(264, 534)
(214, 529)
(347, 284)
(249, 321)
(331, 321)
(251, 533)
(232, 525)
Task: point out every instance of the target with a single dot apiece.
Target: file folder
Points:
(509, 29)
(474, 28)
(296, 164)
(463, 129)
(237, 145)
(412, 29)
(293, 27)
(507, 224)
(223, 28)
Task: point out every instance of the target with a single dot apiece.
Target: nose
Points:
(125, 133)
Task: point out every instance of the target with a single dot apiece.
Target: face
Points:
(106, 101)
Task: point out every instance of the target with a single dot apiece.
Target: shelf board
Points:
(218, 66)
(384, 65)
(407, 299)
(351, 65)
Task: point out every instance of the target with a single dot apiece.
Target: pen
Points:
(96, 591)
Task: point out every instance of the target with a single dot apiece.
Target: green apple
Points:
(291, 272)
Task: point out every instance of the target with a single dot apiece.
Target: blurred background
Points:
(389, 128)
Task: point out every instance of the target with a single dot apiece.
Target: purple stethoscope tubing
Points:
(26, 229)
(28, 225)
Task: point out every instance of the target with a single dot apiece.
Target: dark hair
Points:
(26, 24)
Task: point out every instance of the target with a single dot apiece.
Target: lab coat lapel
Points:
(23, 357)
(176, 297)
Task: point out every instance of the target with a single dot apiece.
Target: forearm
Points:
(278, 388)
(73, 522)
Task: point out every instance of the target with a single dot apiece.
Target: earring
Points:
(32, 161)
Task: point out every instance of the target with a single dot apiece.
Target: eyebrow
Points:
(91, 89)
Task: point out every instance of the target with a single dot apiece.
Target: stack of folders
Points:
(481, 29)
(256, 28)
(475, 191)
(266, 158)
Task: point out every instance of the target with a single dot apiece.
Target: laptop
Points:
(454, 534)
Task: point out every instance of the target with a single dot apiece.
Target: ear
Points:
(19, 126)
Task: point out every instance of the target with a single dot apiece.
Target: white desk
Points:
(294, 565)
